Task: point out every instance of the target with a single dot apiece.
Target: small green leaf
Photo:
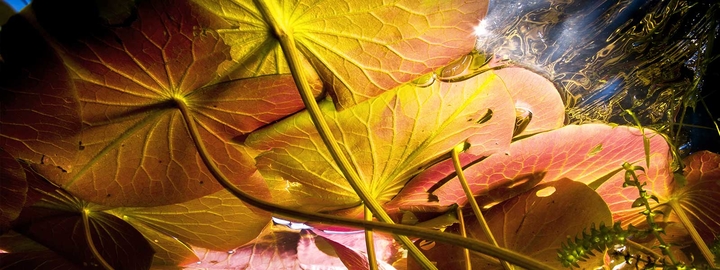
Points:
(638, 202)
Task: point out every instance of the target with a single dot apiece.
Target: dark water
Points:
(652, 57)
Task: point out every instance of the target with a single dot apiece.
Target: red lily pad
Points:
(700, 195)
(620, 199)
(111, 106)
(536, 100)
(532, 223)
(589, 154)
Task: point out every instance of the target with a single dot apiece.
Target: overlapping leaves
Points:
(359, 48)
(590, 154)
(116, 134)
(388, 139)
(55, 219)
(128, 237)
(701, 193)
(282, 248)
(532, 223)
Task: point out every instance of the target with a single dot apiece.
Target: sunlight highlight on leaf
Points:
(359, 48)
(545, 157)
(389, 139)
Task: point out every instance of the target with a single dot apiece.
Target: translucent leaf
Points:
(388, 139)
(569, 152)
(533, 223)
(106, 123)
(359, 48)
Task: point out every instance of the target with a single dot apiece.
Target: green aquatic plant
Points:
(139, 134)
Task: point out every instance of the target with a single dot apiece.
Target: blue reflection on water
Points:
(17, 5)
(603, 94)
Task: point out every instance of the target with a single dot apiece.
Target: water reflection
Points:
(608, 56)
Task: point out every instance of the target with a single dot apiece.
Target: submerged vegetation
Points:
(194, 134)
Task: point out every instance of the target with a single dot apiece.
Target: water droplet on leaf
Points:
(464, 68)
(425, 81)
(522, 119)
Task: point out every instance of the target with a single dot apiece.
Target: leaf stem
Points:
(485, 248)
(646, 140)
(704, 249)
(473, 203)
(287, 43)
(641, 248)
(88, 238)
(463, 233)
(370, 242)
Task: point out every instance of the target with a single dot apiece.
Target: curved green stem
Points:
(463, 233)
(88, 238)
(485, 248)
(370, 242)
(473, 203)
(704, 249)
(287, 43)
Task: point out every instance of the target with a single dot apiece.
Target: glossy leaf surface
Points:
(347, 249)
(276, 248)
(359, 48)
(388, 139)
